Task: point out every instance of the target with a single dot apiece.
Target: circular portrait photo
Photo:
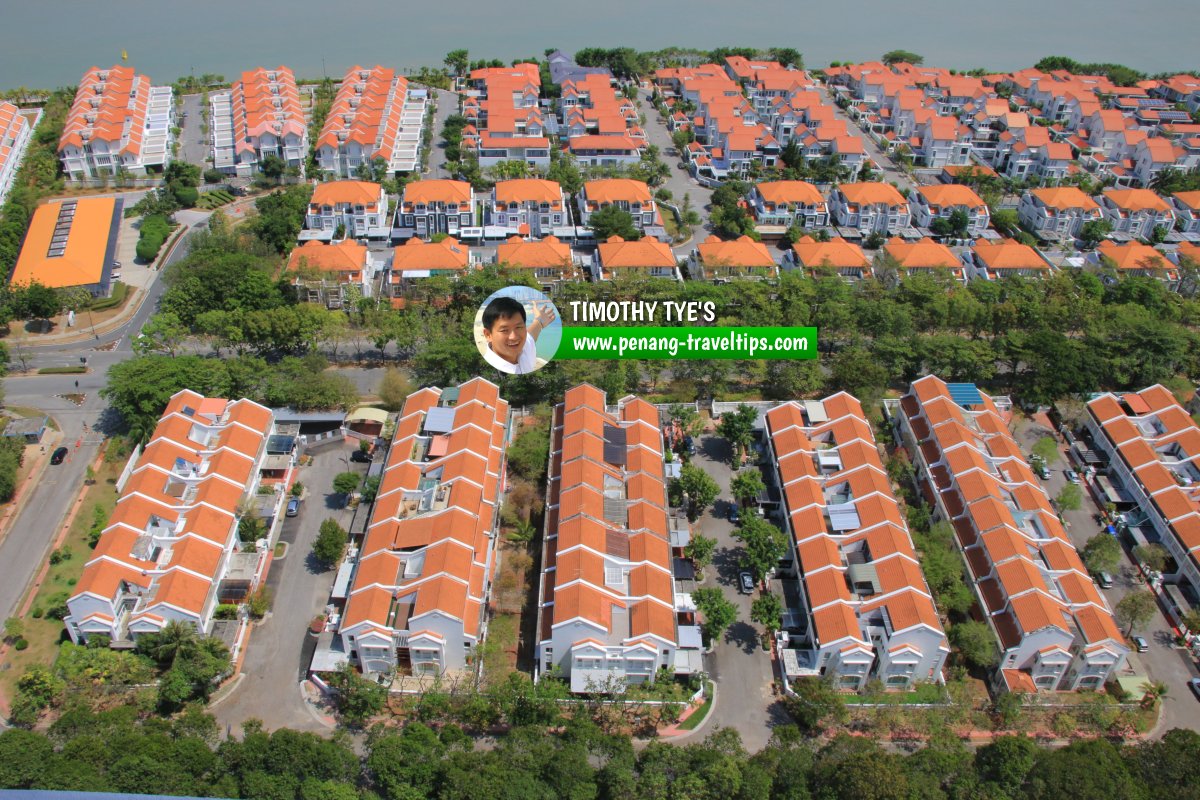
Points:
(517, 330)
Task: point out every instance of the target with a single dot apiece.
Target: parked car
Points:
(293, 507)
(1105, 580)
(1194, 685)
(1071, 475)
(735, 516)
(360, 457)
(59, 455)
(745, 583)
(1140, 644)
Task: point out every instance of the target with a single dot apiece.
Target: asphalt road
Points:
(280, 647)
(891, 173)
(447, 105)
(739, 666)
(1162, 662)
(194, 146)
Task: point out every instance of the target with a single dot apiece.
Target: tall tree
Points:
(1135, 609)
(763, 545)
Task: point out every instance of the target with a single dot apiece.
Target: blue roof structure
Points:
(965, 394)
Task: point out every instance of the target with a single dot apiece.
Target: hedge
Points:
(75, 370)
(119, 292)
(154, 232)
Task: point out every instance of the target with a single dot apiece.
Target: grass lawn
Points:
(693, 722)
(45, 634)
(671, 225)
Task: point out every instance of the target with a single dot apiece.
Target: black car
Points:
(360, 457)
(59, 455)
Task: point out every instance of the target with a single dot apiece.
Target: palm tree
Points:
(1152, 692)
(175, 639)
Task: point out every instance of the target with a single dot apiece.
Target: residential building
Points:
(1187, 212)
(870, 208)
(170, 551)
(418, 596)
(717, 260)
(527, 207)
(778, 205)
(416, 260)
(605, 151)
(869, 613)
(820, 258)
(1054, 628)
(334, 275)
(924, 255)
(607, 601)
(643, 256)
(563, 68)
(15, 131)
(506, 120)
(259, 116)
(993, 261)
(376, 119)
(117, 123)
(1134, 258)
(358, 209)
(548, 261)
(71, 243)
(940, 141)
(436, 206)
(1147, 447)
(1136, 212)
(1152, 156)
(1057, 214)
(628, 195)
(941, 200)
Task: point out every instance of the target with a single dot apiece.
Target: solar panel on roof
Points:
(188, 411)
(615, 445)
(439, 420)
(965, 394)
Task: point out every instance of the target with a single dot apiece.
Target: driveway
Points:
(280, 647)
(1162, 662)
(891, 173)
(193, 138)
(447, 105)
(740, 667)
(680, 181)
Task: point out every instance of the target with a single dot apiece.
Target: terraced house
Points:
(260, 116)
(358, 209)
(1054, 628)
(418, 595)
(435, 206)
(506, 123)
(870, 208)
(837, 255)
(375, 116)
(527, 207)
(942, 200)
(865, 609)
(171, 549)
(1057, 214)
(117, 123)
(15, 131)
(1148, 466)
(779, 205)
(628, 195)
(717, 260)
(607, 602)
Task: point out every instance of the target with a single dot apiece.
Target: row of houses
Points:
(15, 131)
(506, 122)
(1025, 124)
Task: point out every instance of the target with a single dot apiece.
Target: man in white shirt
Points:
(511, 345)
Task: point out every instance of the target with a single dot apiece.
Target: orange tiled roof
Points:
(345, 256)
(780, 192)
(923, 253)
(741, 252)
(616, 253)
(834, 253)
(417, 254)
(950, 194)
(355, 193)
(1064, 198)
(1009, 254)
(82, 261)
(545, 253)
(871, 193)
(437, 191)
(617, 190)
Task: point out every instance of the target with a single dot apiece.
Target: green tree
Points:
(1135, 609)
(688, 419)
(1005, 763)
(718, 612)
(975, 644)
(1101, 553)
(860, 770)
(701, 550)
(902, 56)
(346, 483)
(1089, 768)
(1069, 498)
(272, 166)
(1152, 555)
(697, 486)
(357, 699)
(786, 56)
(456, 61)
(815, 704)
(394, 389)
(767, 610)
(737, 427)
(613, 221)
(1094, 232)
(763, 545)
(163, 333)
(747, 485)
(330, 543)
(1046, 448)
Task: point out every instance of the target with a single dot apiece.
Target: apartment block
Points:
(608, 609)
(170, 551)
(375, 115)
(260, 116)
(418, 595)
(1054, 628)
(866, 611)
(118, 122)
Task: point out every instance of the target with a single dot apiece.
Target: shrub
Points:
(60, 555)
(186, 195)
(21, 644)
(226, 611)
(38, 613)
(213, 176)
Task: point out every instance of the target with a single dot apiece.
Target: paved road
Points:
(194, 146)
(740, 667)
(1163, 662)
(280, 648)
(891, 173)
(680, 181)
(447, 105)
